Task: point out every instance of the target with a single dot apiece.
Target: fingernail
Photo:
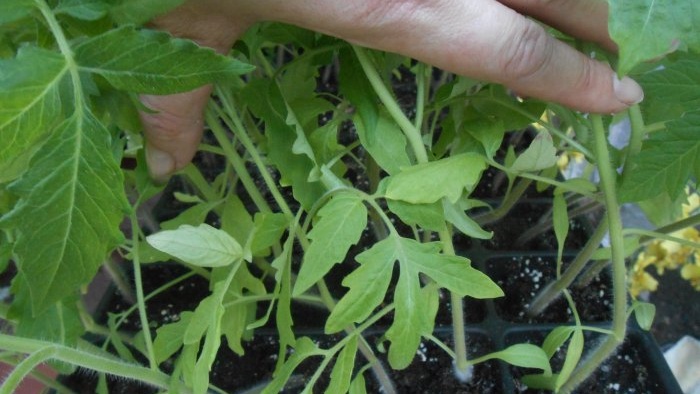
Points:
(627, 90)
(160, 165)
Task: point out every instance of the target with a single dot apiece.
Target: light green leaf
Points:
(153, 62)
(170, 337)
(303, 349)
(488, 132)
(202, 246)
(201, 320)
(86, 10)
(539, 155)
(464, 223)
(429, 182)
(138, 12)
(406, 330)
(342, 370)
(358, 385)
(427, 216)
(72, 202)
(523, 355)
(666, 162)
(340, 224)
(12, 10)
(644, 313)
(193, 216)
(647, 29)
(385, 143)
(556, 338)
(560, 219)
(31, 106)
(573, 355)
(268, 230)
(368, 285)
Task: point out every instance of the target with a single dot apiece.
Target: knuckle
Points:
(527, 54)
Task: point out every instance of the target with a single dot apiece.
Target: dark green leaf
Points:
(146, 61)
(72, 204)
(427, 216)
(138, 12)
(667, 161)
(12, 10)
(646, 29)
(340, 224)
(86, 10)
(672, 90)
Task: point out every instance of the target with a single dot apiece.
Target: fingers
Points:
(174, 124)
(483, 39)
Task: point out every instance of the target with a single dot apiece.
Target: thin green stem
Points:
(195, 176)
(608, 185)
(410, 131)
(506, 205)
(138, 284)
(422, 70)
(653, 234)
(553, 290)
(24, 368)
(690, 221)
(563, 186)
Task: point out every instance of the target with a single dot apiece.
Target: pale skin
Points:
(488, 40)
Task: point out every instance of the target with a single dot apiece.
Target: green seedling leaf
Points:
(340, 224)
(464, 223)
(557, 337)
(268, 230)
(488, 132)
(647, 29)
(303, 349)
(406, 330)
(138, 12)
(385, 142)
(560, 219)
(192, 216)
(31, 106)
(170, 337)
(429, 182)
(644, 313)
(427, 216)
(202, 246)
(89, 11)
(358, 385)
(72, 188)
(523, 355)
(368, 285)
(341, 375)
(145, 61)
(539, 155)
(12, 10)
(666, 162)
(235, 219)
(201, 320)
(573, 355)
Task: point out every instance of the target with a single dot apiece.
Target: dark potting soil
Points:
(522, 278)
(629, 370)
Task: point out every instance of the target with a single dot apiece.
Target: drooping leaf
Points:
(573, 355)
(202, 246)
(539, 155)
(137, 12)
(146, 61)
(340, 224)
(666, 162)
(29, 93)
(647, 29)
(464, 223)
(429, 182)
(557, 337)
(72, 202)
(524, 355)
(385, 143)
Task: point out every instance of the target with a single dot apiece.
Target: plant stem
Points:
(410, 131)
(693, 220)
(506, 205)
(608, 185)
(553, 290)
(138, 284)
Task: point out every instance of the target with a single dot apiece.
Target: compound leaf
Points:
(29, 92)
(72, 202)
(666, 161)
(647, 29)
(146, 61)
(340, 224)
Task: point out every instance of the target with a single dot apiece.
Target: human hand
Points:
(484, 39)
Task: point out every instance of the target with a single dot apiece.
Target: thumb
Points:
(173, 128)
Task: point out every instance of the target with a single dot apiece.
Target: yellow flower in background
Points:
(668, 255)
